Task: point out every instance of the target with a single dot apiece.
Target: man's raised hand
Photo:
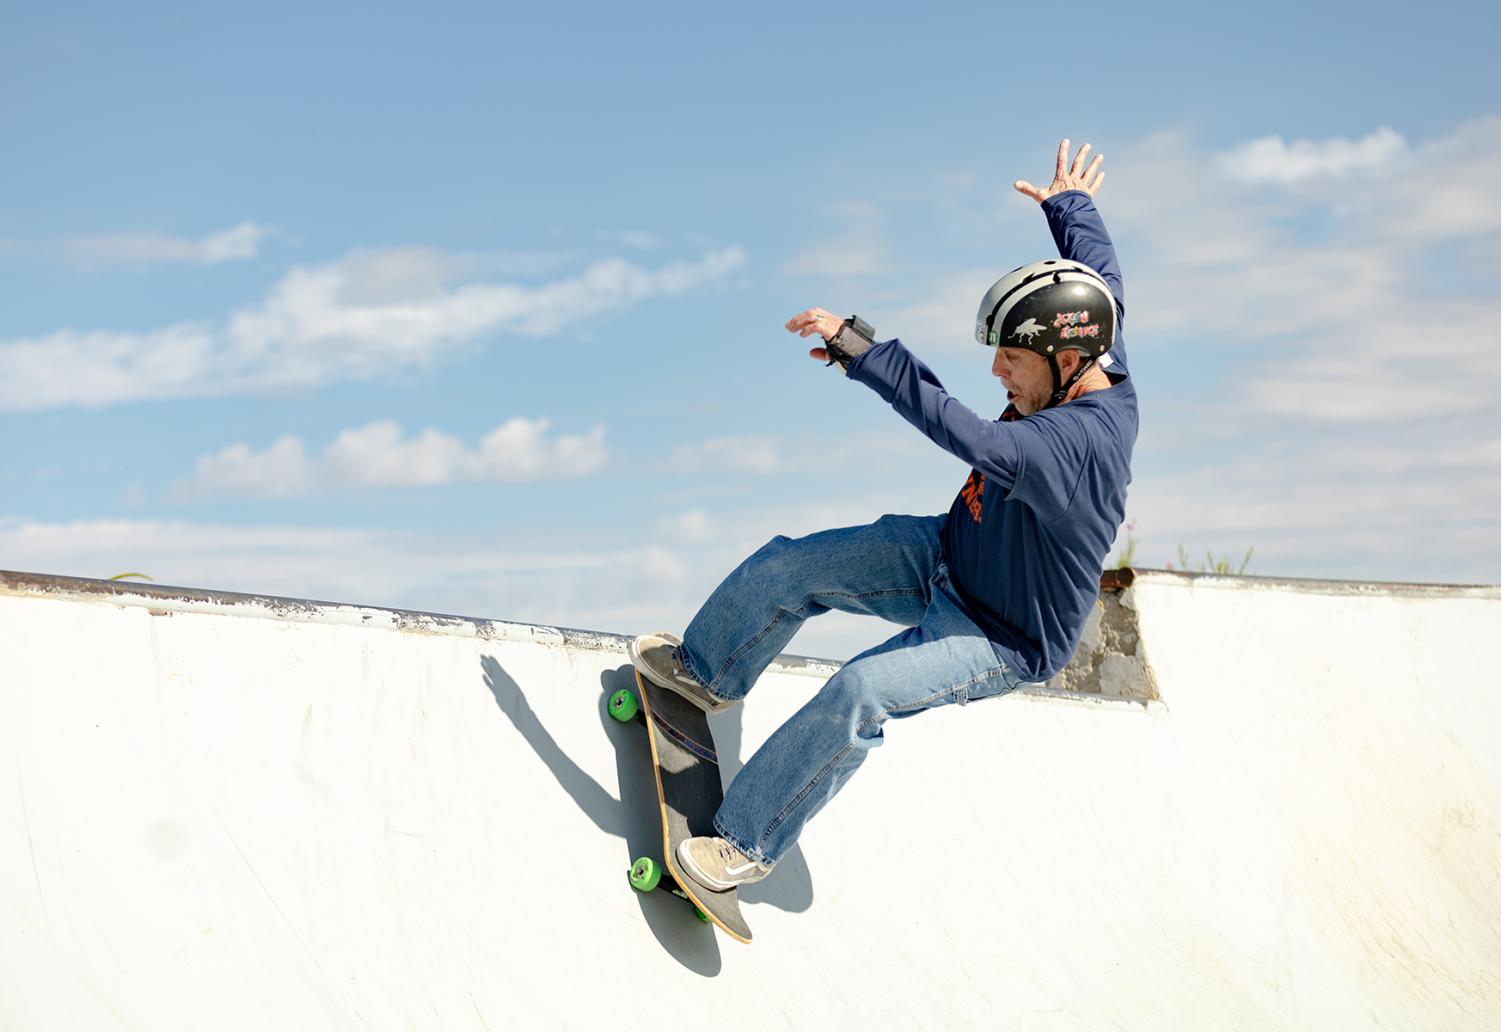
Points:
(1068, 177)
(815, 320)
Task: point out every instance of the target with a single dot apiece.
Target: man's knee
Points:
(857, 698)
(773, 547)
(771, 557)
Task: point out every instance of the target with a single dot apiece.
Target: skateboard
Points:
(689, 791)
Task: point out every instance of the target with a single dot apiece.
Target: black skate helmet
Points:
(1047, 307)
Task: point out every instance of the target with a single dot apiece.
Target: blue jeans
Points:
(891, 569)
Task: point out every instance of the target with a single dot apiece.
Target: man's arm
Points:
(1028, 459)
(910, 387)
(1081, 237)
(1078, 229)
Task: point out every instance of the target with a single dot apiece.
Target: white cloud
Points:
(860, 250)
(748, 454)
(519, 450)
(945, 319)
(1270, 160)
(1445, 192)
(872, 451)
(693, 526)
(361, 316)
(237, 243)
(281, 471)
(377, 455)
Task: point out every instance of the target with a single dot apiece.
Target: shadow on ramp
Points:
(633, 816)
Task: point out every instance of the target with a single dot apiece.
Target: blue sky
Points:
(478, 309)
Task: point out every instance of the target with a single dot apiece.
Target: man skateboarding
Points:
(993, 594)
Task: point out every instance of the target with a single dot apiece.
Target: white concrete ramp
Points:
(223, 812)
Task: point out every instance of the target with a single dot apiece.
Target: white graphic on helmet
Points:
(1029, 329)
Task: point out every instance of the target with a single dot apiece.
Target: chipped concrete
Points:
(1111, 660)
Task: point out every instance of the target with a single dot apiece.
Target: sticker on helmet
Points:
(1029, 329)
(1072, 325)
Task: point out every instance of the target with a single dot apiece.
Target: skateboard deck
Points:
(689, 790)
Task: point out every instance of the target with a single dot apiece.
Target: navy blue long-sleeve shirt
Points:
(1027, 536)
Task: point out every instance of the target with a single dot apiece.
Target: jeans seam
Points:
(743, 649)
(923, 703)
(803, 793)
(987, 675)
(917, 705)
(783, 613)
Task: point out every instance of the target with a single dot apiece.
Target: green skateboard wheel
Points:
(701, 915)
(623, 705)
(645, 874)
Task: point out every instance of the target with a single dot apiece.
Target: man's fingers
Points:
(1079, 161)
(1096, 184)
(1094, 166)
(822, 354)
(1062, 158)
(1022, 186)
(814, 320)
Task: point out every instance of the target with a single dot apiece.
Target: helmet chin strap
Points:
(1061, 389)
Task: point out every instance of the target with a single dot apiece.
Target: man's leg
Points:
(881, 569)
(945, 659)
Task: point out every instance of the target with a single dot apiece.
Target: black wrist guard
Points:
(854, 339)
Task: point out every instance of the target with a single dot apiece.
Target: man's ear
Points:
(1069, 361)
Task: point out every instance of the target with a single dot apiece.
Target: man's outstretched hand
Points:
(1068, 177)
(815, 320)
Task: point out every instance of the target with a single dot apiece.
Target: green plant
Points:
(1212, 564)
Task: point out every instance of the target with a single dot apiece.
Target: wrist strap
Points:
(855, 338)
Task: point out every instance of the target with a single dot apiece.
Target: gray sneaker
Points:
(657, 657)
(717, 865)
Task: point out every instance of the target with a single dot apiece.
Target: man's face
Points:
(1028, 380)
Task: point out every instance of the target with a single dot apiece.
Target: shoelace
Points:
(679, 670)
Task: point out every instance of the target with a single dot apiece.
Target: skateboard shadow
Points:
(635, 816)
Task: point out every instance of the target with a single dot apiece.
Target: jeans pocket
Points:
(987, 687)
